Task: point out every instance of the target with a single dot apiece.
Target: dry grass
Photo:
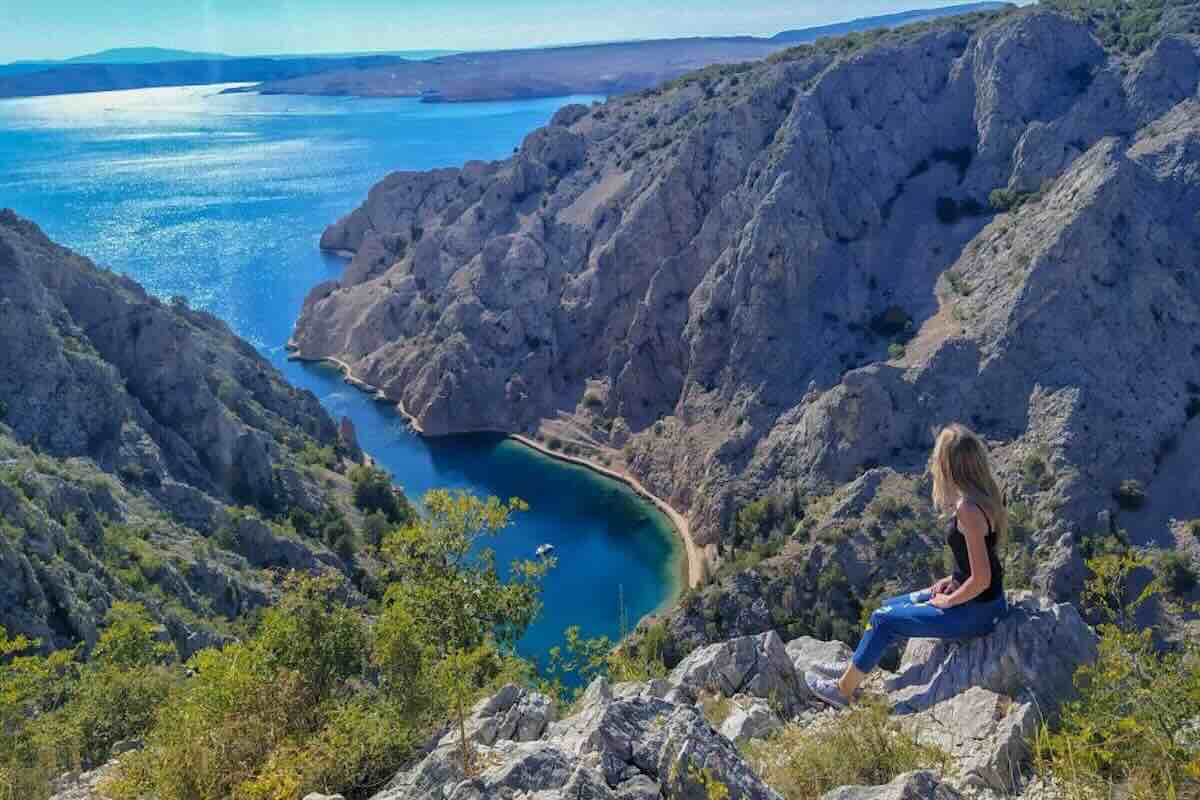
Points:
(864, 747)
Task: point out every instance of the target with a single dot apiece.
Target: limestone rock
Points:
(1036, 648)
(980, 700)
(755, 665)
(633, 749)
(749, 718)
(512, 714)
(922, 785)
(127, 427)
(82, 785)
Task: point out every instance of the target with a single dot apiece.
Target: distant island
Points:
(499, 75)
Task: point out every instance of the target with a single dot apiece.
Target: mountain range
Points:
(759, 289)
(535, 72)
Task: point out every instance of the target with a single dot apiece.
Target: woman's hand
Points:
(941, 601)
(946, 585)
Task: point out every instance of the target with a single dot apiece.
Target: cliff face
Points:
(127, 427)
(779, 275)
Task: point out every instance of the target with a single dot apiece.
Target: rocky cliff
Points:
(977, 703)
(783, 274)
(129, 430)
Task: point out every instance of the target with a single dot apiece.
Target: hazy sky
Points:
(63, 28)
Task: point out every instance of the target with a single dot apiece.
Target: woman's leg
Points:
(853, 677)
(919, 620)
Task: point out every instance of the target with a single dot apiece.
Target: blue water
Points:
(222, 199)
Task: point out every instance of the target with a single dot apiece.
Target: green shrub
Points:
(957, 283)
(373, 491)
(58, 713)
(1176, 571)
(1131, 732)
(315, 456)
(1129, 26)
(865, 747)
(895, 351)
(1036, 471)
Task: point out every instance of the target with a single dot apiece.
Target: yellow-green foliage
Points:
(1132, 732)
(319, 699)
(58, 713)
(865, 747)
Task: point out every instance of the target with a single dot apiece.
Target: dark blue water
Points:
(222, 199)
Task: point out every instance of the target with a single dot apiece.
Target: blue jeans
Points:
(911, 616)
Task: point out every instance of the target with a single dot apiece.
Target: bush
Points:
(865, 747)
(373, 491)
(58, 713)
(1176, 571)
(1036, 471)
(375, 528)
(1131, 732)
(315, 456)
(316, 699)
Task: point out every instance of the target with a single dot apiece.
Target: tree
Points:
(449, 585)
(458, 678)
(313, 634)
(131, 639)
(375, 528)
(374, 492)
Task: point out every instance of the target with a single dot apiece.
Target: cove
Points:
(222, 198)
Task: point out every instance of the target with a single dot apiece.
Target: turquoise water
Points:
(222, 198)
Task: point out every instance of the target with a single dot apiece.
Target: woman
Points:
(966, 604)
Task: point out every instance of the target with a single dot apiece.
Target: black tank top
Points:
(962, 559)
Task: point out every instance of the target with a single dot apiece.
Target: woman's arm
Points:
(973, 526)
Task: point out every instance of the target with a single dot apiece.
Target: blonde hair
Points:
(960, 471)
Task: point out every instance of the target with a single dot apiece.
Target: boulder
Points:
(1036, 648)
(81, 785)
(921, 785)
(512, 714)
(642, 748)
(755, 665)
(980, 700)
(749, 718)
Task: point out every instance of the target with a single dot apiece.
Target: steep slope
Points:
(129, 429)
(773, 277)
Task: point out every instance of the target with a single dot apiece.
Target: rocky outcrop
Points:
(982, 700)
(128, 427)
(911, 786)
(780, 275)
(758, 666)
(637, 748)
(749, 718)
(978, 701)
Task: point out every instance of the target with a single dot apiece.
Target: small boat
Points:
(545, 550)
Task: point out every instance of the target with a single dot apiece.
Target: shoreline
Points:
(693, 562)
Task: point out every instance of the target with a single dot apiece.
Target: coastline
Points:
(692, 565)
